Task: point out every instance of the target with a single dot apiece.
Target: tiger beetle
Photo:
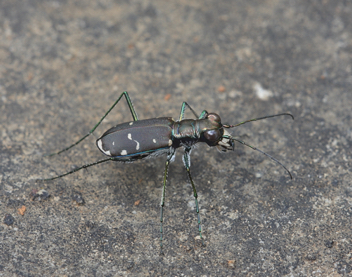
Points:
(140, 139)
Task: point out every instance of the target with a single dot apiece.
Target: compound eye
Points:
(212, 135)
(214, 117)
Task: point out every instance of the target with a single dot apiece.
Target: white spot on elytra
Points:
(154, 140)
(100, 145)
(137, 146)
(123, 152)
(131, 123)
(170, 142)
(113, 143)
(129, 136)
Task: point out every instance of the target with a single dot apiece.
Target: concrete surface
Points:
(63, 63)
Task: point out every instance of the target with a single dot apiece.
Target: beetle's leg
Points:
(183, 108)
(187, 162)
(88, 165)
(133, 112)
(76, 169)
(162, 206)
(170, 157)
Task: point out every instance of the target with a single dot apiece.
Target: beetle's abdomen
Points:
(137, 137)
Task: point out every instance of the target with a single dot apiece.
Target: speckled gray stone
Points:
(63, 63)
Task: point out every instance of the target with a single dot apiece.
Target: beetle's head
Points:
(214, 134)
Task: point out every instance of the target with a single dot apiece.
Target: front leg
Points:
(187, 162)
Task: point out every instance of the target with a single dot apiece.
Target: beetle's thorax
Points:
(191, 130)
(186, 129)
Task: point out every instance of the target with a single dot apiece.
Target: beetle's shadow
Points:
(131, 181)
